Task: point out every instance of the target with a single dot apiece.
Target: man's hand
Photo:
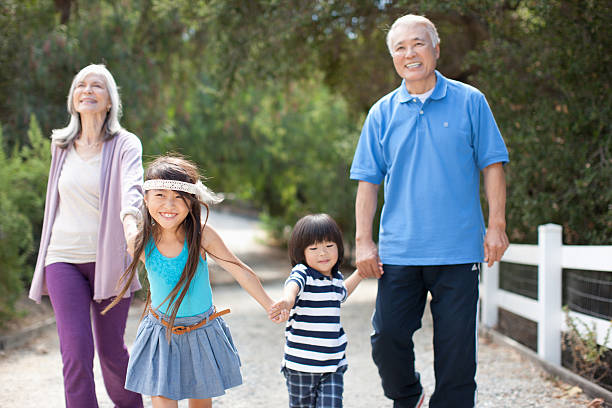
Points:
(367, 260)
(496, 241)
(366, 252)
(495, 244)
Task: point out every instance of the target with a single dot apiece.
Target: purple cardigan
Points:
(121, 175)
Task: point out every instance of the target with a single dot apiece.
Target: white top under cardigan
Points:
(74, 237)
(120, 191)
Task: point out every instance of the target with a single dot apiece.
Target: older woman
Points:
(93, 195)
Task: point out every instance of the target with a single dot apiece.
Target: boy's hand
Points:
(279, 311)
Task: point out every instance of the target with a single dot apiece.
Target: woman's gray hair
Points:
(410, 19)
(64, 136)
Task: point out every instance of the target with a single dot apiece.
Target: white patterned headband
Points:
(201, 192)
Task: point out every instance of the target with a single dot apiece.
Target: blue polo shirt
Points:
(430, 156)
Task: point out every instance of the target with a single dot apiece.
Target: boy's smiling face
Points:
(322, 256)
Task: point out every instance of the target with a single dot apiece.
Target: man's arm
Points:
(366, 252)
(496, 241)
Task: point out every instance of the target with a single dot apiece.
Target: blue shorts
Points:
(315, 390)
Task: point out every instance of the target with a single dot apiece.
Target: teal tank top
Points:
(164, 273)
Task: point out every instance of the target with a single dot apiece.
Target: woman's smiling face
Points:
(91, 95)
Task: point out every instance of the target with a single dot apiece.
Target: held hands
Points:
(495, 244)
(279, 311)
(130, 232)
(367, 260)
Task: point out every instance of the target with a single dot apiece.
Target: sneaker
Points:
(419, 403)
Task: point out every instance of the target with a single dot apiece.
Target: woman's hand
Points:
(130, 232)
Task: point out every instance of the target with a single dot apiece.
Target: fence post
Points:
(549, 292)
(490, 277)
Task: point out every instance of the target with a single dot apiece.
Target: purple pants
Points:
(70, 289)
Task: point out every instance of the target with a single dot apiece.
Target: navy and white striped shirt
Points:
(315, 339)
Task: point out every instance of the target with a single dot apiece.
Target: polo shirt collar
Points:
(439, 91)
(318, 275)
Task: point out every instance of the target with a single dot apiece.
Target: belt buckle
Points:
(179, 329)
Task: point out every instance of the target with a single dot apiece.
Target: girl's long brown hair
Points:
(169, 168)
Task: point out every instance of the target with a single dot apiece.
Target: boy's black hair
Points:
(314, 228)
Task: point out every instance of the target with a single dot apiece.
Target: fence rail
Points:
(551, 257)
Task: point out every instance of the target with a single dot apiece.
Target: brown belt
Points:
(187, 329)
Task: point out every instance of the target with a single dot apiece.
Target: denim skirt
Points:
(200, 364)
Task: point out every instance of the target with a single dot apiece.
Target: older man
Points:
(428, 140)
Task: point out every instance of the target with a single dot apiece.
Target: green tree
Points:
(254, 41)
(15, 237)
(286, 150)
(30, 171)
(545, 69)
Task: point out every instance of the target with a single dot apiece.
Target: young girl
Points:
(314, 362)
(183, 348)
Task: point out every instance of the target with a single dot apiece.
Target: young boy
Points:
(314, 361)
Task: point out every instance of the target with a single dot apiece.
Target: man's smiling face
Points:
(414, 56)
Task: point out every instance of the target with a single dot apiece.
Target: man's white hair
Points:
(410, 19)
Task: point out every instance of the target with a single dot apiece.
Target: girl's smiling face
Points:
(322, 256)
(167, 207)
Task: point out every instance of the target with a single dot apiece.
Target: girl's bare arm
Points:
(215, 247)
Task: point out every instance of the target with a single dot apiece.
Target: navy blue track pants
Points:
(401, 298)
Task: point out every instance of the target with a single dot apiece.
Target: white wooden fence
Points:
(550, 256)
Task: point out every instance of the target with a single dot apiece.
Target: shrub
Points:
(23, 178)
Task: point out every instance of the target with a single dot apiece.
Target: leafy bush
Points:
(584, 355)
(285, 150)
(545, 69)
(23, 178)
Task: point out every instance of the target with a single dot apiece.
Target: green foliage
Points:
(588, 358)
(545, 72)
(22, 188)
(147, 53)
(27, 81)
(30, 171)
(259, 40)
(287, 150)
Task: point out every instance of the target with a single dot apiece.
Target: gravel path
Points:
(31, 376)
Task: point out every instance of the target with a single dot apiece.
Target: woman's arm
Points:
(131, 185)
(130, 231)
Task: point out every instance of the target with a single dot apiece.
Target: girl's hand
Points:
(279, 311)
